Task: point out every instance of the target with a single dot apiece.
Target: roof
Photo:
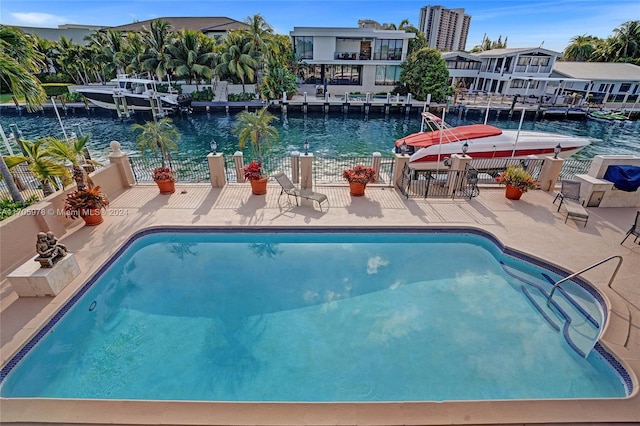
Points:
(511, 51)
(201, 23)
(598, 70)
(339, 32)
(460, 54)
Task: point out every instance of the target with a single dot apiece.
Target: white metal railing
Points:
(585, 270)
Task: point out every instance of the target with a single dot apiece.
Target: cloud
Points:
(374, 263)
(40, 19)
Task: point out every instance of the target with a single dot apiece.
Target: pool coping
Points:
(14, 409)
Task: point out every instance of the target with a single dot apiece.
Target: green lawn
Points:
(6, 98)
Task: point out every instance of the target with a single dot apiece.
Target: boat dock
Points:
(499, 107)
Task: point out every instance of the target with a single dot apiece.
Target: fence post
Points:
(550, 172)
(376, 161)
(398, 167)
(216, 170)
(456, 178)
(306, 171)
(295, 166)
(239, 163)
(124, 166)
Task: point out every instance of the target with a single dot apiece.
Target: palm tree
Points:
(5, 174)
(18, 62)
(192, 56)
(133, 54)
(156, 39)
(626, 40)
(580, 49)
(43, 167)
(256, 128)
(158, 136)
(74, 152)
(109, 47)
(47, 51)
(236, 59)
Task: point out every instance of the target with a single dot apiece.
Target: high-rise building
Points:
(445, 29)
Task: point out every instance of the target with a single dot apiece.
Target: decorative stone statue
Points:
(49, 250)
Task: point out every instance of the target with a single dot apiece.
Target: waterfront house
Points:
(364, 60)
(212, 26)
(615, 84)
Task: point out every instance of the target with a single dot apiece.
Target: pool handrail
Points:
(615, 272)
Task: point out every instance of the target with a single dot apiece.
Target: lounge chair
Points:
(634, 230)
(290, 189)
(570, 190)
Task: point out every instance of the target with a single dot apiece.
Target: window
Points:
(303, 47)
(624, 87)
(387, 75)
(386, 49)
(344, 74)
(523, 84)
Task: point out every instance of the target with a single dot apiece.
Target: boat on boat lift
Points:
(437, 141)
(126, 94)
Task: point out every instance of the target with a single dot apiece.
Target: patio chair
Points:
(570, 190)
(290, 189)
(634, 230)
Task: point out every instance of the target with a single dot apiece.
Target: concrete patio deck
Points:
(531, 225)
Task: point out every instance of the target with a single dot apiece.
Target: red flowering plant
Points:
(361, 174)
(254, 171)
(83, 201)
(163, 174)
(518, 177)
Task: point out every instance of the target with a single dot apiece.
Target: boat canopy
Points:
(455, 134)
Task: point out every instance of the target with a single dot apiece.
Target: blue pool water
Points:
(316, 316)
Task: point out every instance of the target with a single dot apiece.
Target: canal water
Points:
(334, 134)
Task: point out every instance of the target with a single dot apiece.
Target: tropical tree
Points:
(580, 49)
(75, 152)
(236, 60)
(488, 44)
(46, 49)
(157, 38)
(18, 64)
(255, 128)
(425, 72)
(625, 42)
(43, 167)
(73, 61)
(159, 137)
(109, 48)
(133, 53)
(192, 56)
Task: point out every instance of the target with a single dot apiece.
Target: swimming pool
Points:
(319, 315)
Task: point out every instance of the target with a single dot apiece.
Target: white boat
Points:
(438, 141)
(125, 94)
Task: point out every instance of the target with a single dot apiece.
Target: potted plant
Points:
(160, 137)
(517, 181)
(358, 178)
(256, 128)
(86, 203)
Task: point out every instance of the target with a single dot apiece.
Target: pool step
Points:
(563, 313)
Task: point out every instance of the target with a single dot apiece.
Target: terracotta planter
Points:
(259, 186)
(166, 186)
(513, 192)
(91, 217)
(357, 189)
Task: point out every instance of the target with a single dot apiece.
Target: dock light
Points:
(306, 147)
(214, 146)
(403, 148)
(556, 151)
(465, 148)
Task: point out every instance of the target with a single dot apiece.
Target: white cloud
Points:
(374, 263)
(40, 19)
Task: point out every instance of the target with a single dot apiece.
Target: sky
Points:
(526, 23)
